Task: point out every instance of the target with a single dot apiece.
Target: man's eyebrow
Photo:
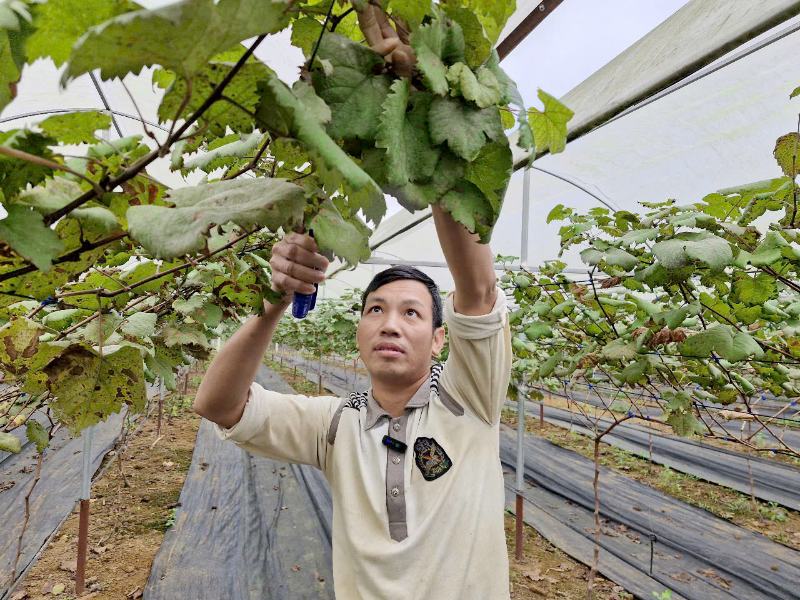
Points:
(382, 300)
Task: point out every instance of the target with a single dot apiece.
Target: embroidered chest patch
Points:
(431, 458)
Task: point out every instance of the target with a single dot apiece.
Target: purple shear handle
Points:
(303, 303)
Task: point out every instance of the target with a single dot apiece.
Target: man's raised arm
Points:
(471, 264)
(223, 393)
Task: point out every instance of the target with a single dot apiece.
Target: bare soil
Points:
(127, 524)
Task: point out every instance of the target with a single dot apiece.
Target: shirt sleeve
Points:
(478, 369)
(286, 427)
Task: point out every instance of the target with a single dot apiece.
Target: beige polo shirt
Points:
(426, 523)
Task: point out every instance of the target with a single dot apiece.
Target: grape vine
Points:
(109, 279)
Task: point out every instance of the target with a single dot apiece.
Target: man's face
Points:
(395, 335)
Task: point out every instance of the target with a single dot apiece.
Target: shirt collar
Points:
(374, 411)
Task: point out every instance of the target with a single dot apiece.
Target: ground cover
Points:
(127, 524)
(775, 522)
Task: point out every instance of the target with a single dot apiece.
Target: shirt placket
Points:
(395, 480)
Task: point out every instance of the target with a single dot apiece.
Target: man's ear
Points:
(438, 341)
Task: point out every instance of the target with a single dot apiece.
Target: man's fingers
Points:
(288, 284)
(298, 254)
(300, 239)
(387, 31)
(369, 25)
(296, 270)
(386, 47)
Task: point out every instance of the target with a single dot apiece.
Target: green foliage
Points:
(168, 36)
(550, 125)
(137, 279)
(250, 203)
(76, 128)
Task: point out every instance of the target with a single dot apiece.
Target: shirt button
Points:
(396, 426)
(396, 460)
(395, 491)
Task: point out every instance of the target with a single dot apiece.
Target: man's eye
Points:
(374, 308)
(411, 311)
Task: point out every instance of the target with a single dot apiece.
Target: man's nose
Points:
(390, 325)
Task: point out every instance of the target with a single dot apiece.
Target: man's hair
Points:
(404, 272)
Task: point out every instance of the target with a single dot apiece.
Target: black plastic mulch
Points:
(54, 496)
(773, 481)
(248, 527)
(695, 554)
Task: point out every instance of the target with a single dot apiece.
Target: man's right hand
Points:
(296, 265)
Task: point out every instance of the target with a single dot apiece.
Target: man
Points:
(426, 522)
(417, 514)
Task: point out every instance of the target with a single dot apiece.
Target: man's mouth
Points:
(388, 350)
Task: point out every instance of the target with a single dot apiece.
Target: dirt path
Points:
(127, 524)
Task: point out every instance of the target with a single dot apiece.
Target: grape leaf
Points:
(410, 11)
(77, 127)
(768, 251)
(476, 48)
(16, 174)
(305, 33)
(173, 232)
(681, 250)
(139, 325)
(754, 291)
(187, 307)
(185, 334)
(403, 132)
(428, 43)
(24, 230)
(684, 423)
(464, 127)
(417, 195)
(334, 234)
(37, 434)
(282, 111)
(491, 170)
(467, 205)
(225, 155)
(353, 93)
(96, 221)
(209, 315)
(785, 149)
(181, 37)
(15, 28)
(163, 364)
(59, 24)
(315, 105)
(550, 126)
(481, 87)
(10, 443)
(87, 388)
(220, 115)
(637, 236)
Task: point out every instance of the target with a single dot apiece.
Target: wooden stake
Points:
(83, 535)
(518, 546)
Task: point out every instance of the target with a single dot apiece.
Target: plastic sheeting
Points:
(53, 498)
(248, 527)
(773, 481)
(695, 554)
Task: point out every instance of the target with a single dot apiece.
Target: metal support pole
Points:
(526, 215)
(520, 468)
(83, 523)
